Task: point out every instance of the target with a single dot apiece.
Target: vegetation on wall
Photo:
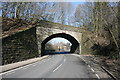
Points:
(20, 46)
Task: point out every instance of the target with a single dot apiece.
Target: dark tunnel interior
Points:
(74, 47)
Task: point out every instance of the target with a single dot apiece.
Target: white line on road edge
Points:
(25, 67)
(57, 68)
(8, 67)
(84, 60)
(79, 57)
(97, 76)
(15, 69)
(34, 65)
(89, 66)
(10, 73)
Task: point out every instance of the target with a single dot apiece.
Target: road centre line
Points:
(57, 68)
(59, 65)
(92, 69)
(64, 59)
(88, 65)
(97, 76)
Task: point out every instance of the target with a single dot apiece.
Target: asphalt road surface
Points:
(55, 66)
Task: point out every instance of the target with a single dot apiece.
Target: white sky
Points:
(55, 40)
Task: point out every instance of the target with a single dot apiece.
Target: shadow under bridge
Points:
(73, 49)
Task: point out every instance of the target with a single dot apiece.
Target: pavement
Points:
(55, 66)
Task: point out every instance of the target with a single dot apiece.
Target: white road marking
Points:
(83, 59)
(15, 69)
(88, 65)
(92, 69)
(25, 67)
(34, 65)
(57, 68)
(97, 76)
(79, 56)
(49, 58)
(64, 60)
(44, 61)
(10, 73)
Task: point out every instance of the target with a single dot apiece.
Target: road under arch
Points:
(74, 47)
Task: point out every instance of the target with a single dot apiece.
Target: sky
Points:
(75, 4)
(56, 40)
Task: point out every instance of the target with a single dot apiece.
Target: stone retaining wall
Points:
(20, 46)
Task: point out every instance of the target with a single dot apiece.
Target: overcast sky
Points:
(56, 40)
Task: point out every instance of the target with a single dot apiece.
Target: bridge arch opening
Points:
(74, 47)
(57, 45)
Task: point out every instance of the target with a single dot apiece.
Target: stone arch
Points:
(73, 41)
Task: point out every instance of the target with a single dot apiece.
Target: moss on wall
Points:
(86, 45)
(20, 46)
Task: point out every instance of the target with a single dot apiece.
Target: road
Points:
(55, 66)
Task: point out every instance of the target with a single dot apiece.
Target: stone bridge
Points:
(29, 42)
(46, 31)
